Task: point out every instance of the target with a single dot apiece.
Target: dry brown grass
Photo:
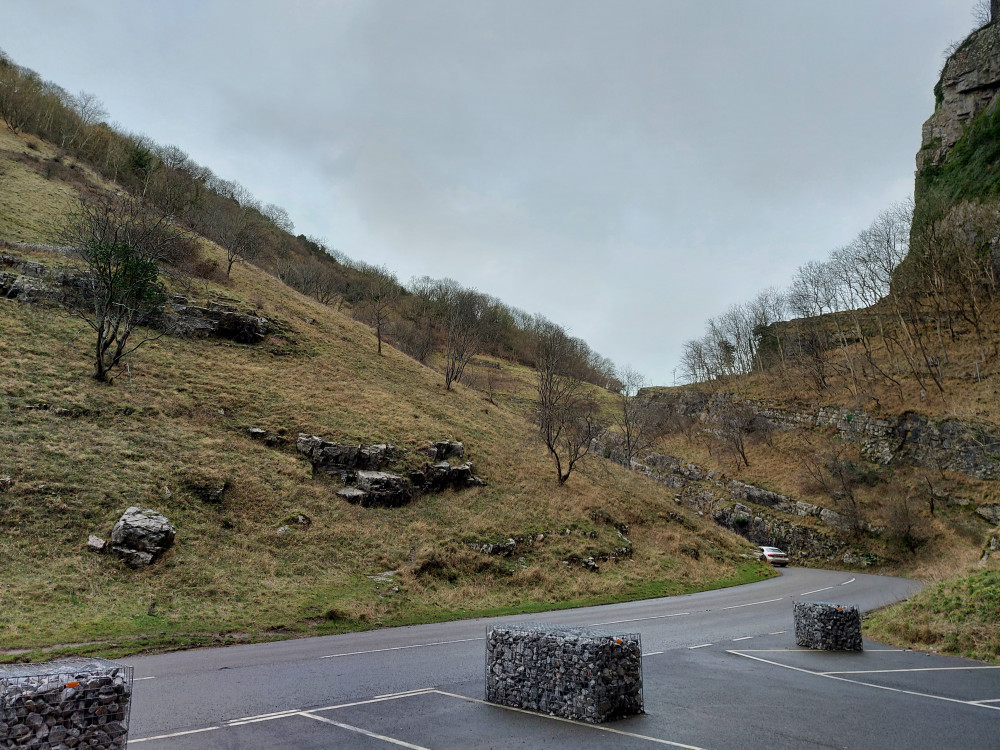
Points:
(181, 413)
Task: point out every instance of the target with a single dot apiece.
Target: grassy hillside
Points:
(281, 554)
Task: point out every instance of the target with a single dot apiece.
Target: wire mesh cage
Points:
(579, 673)
(66, 703)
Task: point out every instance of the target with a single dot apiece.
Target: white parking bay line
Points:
(915, 669)
(259, 719)
(596, 727)
(402, 648)
(816, 591)
(753, 604)
(702, 645)
(137, 679)
(174, 734)
(264, 716)
(653, 653)
(747, 655)
(365, 732)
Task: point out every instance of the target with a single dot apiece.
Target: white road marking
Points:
(816, 591)
(703, 645)
(813, 650)
(259, 719)
(373, 700)
(365, 732)
(850, 581)
(752, 604)
(917, 669)
(653, 653)
(779, 632)
(264, 716)
(597, 727)
(175, 734)
(991, 700)
(865, 684)
(744, 638)
(637, 619)
(402, 648)
(137, 679)
(401, 694)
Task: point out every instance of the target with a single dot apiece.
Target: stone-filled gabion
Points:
(582, 674)
(831, 627)
(63, 705)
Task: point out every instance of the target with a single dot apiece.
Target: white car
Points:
(772, 555)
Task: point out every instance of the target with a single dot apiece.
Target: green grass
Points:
(959, 616)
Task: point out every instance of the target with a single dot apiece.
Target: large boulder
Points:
(141, 535)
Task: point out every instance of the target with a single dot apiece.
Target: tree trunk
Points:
(994, 10)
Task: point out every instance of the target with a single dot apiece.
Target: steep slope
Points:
(265, 549)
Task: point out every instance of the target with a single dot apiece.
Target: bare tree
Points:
(568, 421)
(240, 234)
(465, 316)
(379, 295)
(735, 426)
(638, 427)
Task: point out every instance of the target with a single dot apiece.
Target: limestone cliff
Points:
(969, 85)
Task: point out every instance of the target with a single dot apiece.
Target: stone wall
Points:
(587, 675)
(65, 704)
(832, 627)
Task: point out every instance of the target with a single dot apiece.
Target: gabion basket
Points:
(66, 703)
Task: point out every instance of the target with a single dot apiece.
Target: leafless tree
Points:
(568, 421)
(735, 426)
(638, 426)
(278, 216)
(379, 295)
(240, 234)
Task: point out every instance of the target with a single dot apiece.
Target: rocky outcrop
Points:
(950, 444)
(759, 515)
(141, 536)
(382, 489)
(360, 467)
(771, 530)
(342, 460)
(441, 450)
(182, 318)
(443, 476)
(969, 85)
(33, 282)
(957, 445)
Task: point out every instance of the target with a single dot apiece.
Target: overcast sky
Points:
(626, 168)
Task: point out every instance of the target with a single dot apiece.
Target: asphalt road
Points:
(720, 668)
